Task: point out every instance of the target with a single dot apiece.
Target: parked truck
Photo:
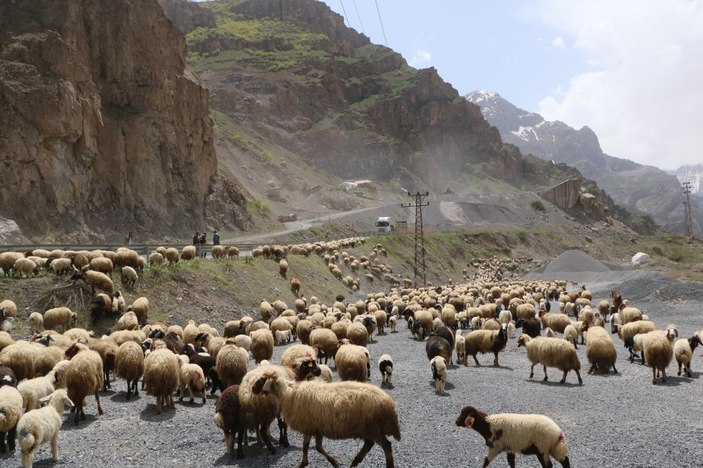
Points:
(384, 224)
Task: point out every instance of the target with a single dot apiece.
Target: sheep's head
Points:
(523, 340)
(693, 342)
(468, 415)
(306, 368)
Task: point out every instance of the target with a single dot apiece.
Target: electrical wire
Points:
(345, 13)
(357, 14)
(385, 41)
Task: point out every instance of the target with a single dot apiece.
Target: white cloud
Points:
(420, 57)
(558, 42)
(643, 94)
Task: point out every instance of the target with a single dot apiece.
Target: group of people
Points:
(201, 239)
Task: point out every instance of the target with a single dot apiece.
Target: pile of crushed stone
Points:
(572, 261)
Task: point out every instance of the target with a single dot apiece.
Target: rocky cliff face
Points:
(638, 188)
(293, 73)
(102, 127)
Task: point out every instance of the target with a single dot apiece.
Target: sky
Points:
(631, 70)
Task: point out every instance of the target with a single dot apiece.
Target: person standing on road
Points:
(215, 238)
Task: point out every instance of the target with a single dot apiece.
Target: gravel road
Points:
(611, 421)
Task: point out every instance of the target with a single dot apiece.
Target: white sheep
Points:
(59, 317)
(486, 341)
(129, 276)
(353, 363)
(600, 351)
(460, 348)
(33, 390)
(35, 322)
(84, 376)
(129, 365)
(261, 345)
(657, 352)
(385, 367)
(305, 408)
(683, 350)
(10, 412)
(439, 373)
(551, 352)
(192, 378)
(571, 335)
(517, 433)
(42, 425)
(161, 375)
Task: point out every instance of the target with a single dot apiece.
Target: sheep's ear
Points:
(45, 399)
(69, 403)
(258, 386)
(469, 422)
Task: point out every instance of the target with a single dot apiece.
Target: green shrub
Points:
(675, 255)
(538, 205)
(522, 235)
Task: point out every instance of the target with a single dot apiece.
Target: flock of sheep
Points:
(453, 321)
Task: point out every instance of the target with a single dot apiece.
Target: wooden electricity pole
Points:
(419, 237)
(687, 209)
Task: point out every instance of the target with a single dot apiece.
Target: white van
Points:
(384, 224)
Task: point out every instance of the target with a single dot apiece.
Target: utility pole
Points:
(419, 236)
(687, 209)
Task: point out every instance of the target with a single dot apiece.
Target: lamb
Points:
(140, 307)
(193, 378)
(571, 335)
(683, 350)
(305, 407)
(129, 276)
(393, 323)
(517, 433)
(10, 412)
(35, 322)
(84, 376)
(385, 366)
(460, 348)
(129, 365)
(42, 425)
(59, 317)
(552, 352)
(161, 375)
(484, 341)
(353, 363)
(227, 417)
(658, 353)
(439, 373)
(600, 351)
(33, 390)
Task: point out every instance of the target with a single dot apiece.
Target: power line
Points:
(385, 41)
(345, 13)
(357, 14)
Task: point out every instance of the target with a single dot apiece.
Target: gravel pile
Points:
(572, 261)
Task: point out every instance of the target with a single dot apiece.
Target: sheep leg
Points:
(565, 463)
(264, 432)
(511, 460)
(331, 459)
(282, 433)
(134, 384)
(578, 374)
(593, 367)
(27, 458)
(229, 442)
(532, 371)
(240, 440)
(642, 356)
(614, 369)
(654, 375)
(495, 361)
(545, 373)
(306, 445)
(158, 404)
(97, 401)
(368, 445)
(679, 369)
(2, 442)
(664, 374)
(476, 360)
(55, 447)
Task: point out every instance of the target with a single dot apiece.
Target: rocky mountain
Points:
(296, 90)
(103, 129)
(638, 188)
